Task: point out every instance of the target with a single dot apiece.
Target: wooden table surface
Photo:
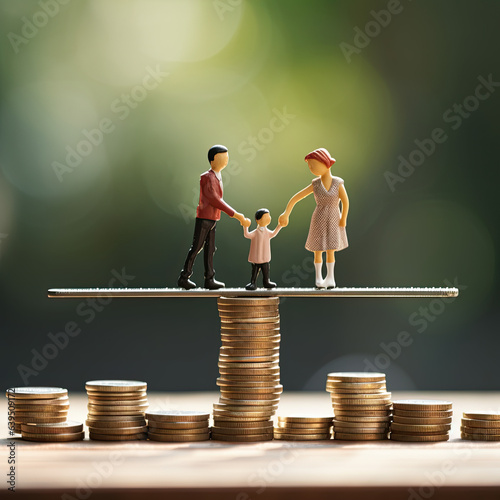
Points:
(277, 469)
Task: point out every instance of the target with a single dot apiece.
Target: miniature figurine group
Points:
(327, 232)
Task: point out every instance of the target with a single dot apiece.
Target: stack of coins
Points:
(303, 428)
(116, 410)
(483, 426)
(37, 405)
(178, 426)
(53, 433)
(421, 420)
(249, 369)
(361, 404)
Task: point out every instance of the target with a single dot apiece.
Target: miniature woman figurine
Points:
(260, 248)
(327, 231)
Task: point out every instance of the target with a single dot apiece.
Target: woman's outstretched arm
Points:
(283, 218)
(345, 205)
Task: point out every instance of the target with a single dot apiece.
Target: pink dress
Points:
(324, 231)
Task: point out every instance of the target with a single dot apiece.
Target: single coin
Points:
(118, 418)
(248, 359)
(367, 420)
(271, 408)
(158, 424)
(42, 414)
(249, 365)
(485, 415)
(177, 432)
(242, 430)
(116, 409)
(422, 420)
(480, 430)
(479, 437)
(177, 415)
(237, 322)
(118, 437)
(116, 385)
(302, 431)
(360, 425)
(250, 345)
(361, 430)
(47, 438)
(363, 408)
(302, 437)
(242, 437)
(356, 377)
(178, 438)
(35, 403)
(306, 419)
(310, 425)
(36, 392)
(422, 405)
(243, 415)
(242, 419)
(344, 436)
(249, 301)
(419, 438)
(366, 413)
(114, 424)
(39, 420)
(254, 315)
(353, 393)
(250, 392)
(262, 330)
(245, 353)
(377, 396)
(472, 422)
(423, 414)
(251, 373)
(420, 428)
(267, 424)
(122, 431)
(251, 402)
(117, 396)
(238, 385)
(138, 402)
(360, 402)
(245, 308)
(356, 386)
(67, 427)
(40, 408)
(267, 337)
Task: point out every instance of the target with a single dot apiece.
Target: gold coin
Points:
(118, 418)
(242, 430)
(422, 405)
(224, 358)
(273, 337)
(342, 392)
(419, 438)
(242, 438)
(480, 430)
(250, 402)
(261, 345)
(346, 436)
(472, 422)
(487, 415)
(261, 392)
(271, 366)
(361, 430)
(116, 404)
(260, 415)
(231, 424)
(309, 425)
(250, 301)
(410, 429)
(358, 407)
(36, 392)
(244, 407)
(114, 424)
(249, 384)
(302, 437)
(364, 413)
(366, 420)
(116, 385)
(302, 431)
(178, 438)
(421, 420)
(423, 414)
(256, 330)
(231, 351)
(117, 396)
(356, 377)
(479, 437)
(118, 437)
(268, 410)
(379, 395)
(359, 425)
(42, 414)
(177, 415)
(40, 408)
(242, 418)
(122, 431)
(35, 403)
(356, 386)
(67, 427)
(246, 308)
(306, 419)
(158, 424)
(48, 438)
(117, 409)
(177, 432)
(240, 315)
(237, 322)
(39, 420)
(230, 372)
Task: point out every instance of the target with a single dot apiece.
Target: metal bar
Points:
(58, 293)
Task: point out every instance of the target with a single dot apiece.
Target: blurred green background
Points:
(107, 110)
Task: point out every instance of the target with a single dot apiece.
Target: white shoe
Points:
(320, 282)
(330, 276)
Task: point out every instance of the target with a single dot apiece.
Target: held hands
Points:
(283, 219)
(241, 218)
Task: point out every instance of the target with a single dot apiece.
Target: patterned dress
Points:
(324, 231)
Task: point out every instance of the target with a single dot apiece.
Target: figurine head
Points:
(218, 157)
(263, 217)
(319, 161)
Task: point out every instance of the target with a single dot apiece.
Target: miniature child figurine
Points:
(260, 248)
(327, 231)
(208, 213)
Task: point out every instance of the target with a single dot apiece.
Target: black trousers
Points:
(256, 268)
(204, 237)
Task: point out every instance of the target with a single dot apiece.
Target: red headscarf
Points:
(321, 155)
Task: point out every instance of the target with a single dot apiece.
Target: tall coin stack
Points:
(37, 405)
(484, 426)
(178, 426)
(361, 404)
(421, 420)
(116, 410)
(249, 369)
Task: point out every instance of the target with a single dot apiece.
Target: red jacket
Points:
(211, 202)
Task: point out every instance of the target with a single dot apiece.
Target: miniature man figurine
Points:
(260, 248)
(207, 215)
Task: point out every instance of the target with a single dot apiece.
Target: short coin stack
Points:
(178, 426)
(249, 369)
(116, 410)
(361, 404)
(421, 420)
(38, 405)
(53, 433)
(303, 428)
(483, 426)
